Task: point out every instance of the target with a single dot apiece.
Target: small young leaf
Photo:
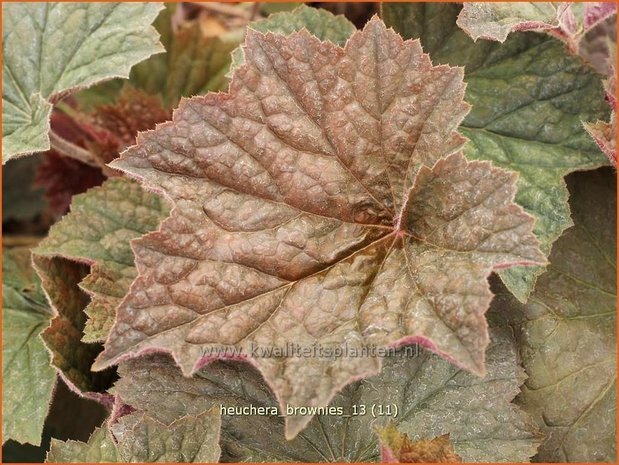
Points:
(113, 127)
(98, 230)
(62, 178)
(323, 200)
(529, 98)
(432, 398)
(605, 135)
(27, 376)
(567, 330)
(105, 131)
(50, 49)
(140, 438)
(396, 447)
(318, 22)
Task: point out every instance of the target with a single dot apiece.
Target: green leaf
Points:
(567, 330)
(529, 97)
(98, 230)
(140, 438)
(320, 23)
(432, 398)
(51, 49)
(566, 20)
(188, 439)
(496, 21)
(99, 448)
(27, 376)
(192, 65)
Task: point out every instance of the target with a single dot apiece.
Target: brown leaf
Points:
(605, 135)
(71, 357)
(113, 127)
(323, 201)
(105, 132)
(64, 177)
(396, 447)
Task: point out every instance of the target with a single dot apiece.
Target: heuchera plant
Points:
(277, 213)
(322, 200)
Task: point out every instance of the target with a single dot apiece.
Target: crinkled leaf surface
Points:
(27, 376)
(567, 21)
(98, 231)
(320, 23)
(396, 447)
(567, 331)
(529, 97)
(324, 200)
(315, 203)
(49, 49)
(140, 438)
(432, 397)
